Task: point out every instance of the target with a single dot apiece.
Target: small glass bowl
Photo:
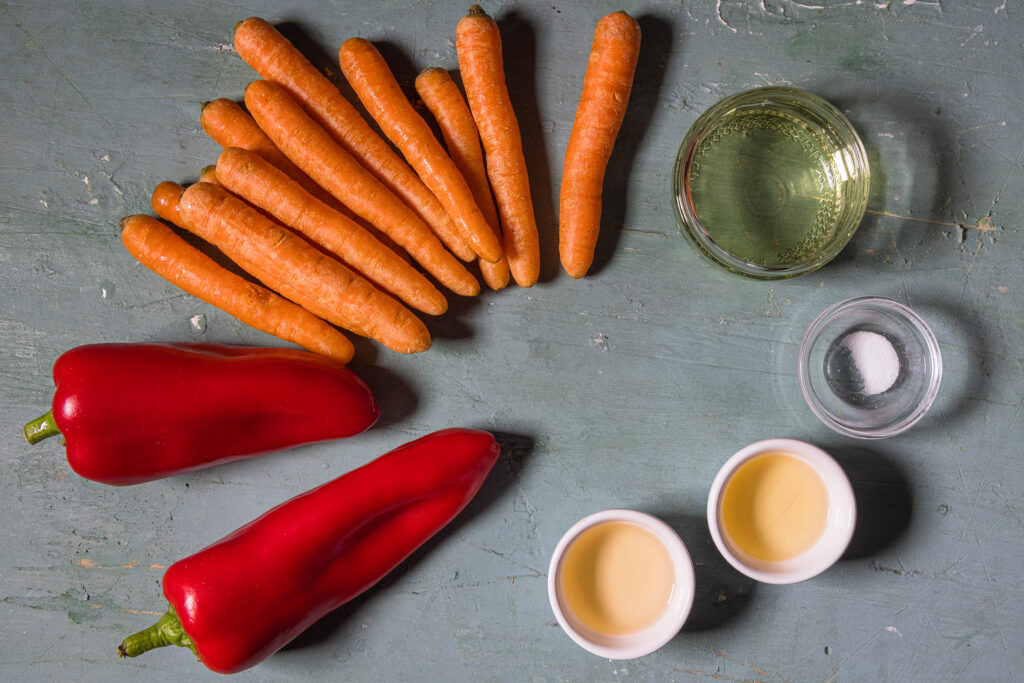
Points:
(760, 180)
(835, 375)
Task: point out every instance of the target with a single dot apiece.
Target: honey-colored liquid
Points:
(617, 578)
(766, 187)
(774, 507)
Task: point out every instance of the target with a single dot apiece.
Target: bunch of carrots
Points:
(338, 229)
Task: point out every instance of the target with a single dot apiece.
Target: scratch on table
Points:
(967, 279)
(503, 556)
(984, 224)
(722, 655)
(35, 42)
(721, 19)
(89, 564)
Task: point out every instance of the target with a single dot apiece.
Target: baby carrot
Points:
(376, 87)
(160, 249)
(263, 185)
(299, 271)
(606, 87)
(231, 126)
(478, 43)
(313, 150)
(442, 97)
(274, 58)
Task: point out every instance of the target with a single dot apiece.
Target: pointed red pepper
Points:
(131, 413)
(243, 598)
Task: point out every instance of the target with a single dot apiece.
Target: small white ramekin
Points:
(660, 632)
(839, 524)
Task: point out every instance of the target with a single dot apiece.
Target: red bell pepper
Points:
(131, 413)
(243, 598)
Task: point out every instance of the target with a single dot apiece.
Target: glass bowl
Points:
(869, 367)
(770, 183)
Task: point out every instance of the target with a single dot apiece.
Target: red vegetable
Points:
(243, 598)
(135, 412)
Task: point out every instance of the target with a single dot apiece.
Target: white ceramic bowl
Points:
(839, 524)
(661, 631)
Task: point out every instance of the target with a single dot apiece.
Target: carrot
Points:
(377, 89)
(259, 182)
(442, 97)
(478, 43)
(274, 58)
(208, 175)
(160, 249)
(229, 125)
(313, 150)
(165, 202)
(606, 87)
(299, 271)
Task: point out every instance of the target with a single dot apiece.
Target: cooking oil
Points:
(766, 187)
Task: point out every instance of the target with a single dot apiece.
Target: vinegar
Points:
(617, 578)
(774, 507)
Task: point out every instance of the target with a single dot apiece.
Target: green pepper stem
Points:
(41, 428)
(166, 631)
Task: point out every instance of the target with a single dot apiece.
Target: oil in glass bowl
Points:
(771, 183)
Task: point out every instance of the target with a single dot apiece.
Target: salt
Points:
(875, 360)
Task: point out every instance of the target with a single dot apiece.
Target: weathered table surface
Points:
(627, 388)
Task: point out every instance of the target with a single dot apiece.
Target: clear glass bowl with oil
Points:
(771, 183)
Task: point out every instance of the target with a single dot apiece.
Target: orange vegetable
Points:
(299, 271)
(606, 88)
(208, 175)
(263, 185)
(231, 126)
(165, 202)
(160, 249)
(478, 43)
(377, 89)
(274, 58)
(313, 150)
(442, 97)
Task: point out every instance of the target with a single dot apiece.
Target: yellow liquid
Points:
(617, 578)
(774, 507)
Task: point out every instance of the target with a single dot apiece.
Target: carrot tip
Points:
(476, 11)
(124, 221)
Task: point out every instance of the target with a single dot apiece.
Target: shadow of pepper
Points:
(884, 501)
(655, 51)
(515, 451)
(722, 593)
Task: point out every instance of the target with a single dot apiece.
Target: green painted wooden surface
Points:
(627, 388)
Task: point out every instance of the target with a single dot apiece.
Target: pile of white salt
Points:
(874, 358)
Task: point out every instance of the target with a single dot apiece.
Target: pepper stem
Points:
(41, 428)
(166, 631)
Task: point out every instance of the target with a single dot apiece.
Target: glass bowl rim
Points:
(703, 244)
(931, 345)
